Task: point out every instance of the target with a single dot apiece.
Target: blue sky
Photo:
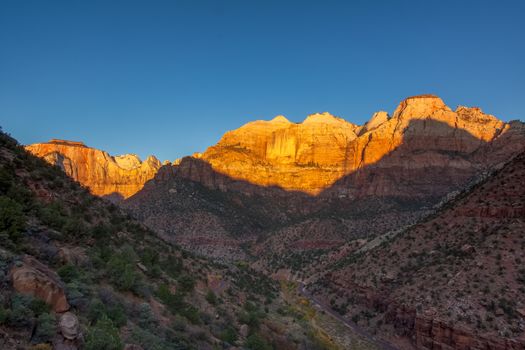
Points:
(170, 77)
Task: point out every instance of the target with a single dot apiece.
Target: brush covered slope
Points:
(375, 178)
(455, 280)
(78, 273)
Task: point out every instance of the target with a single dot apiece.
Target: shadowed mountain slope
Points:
(454, 280)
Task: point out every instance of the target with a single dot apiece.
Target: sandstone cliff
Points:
(101, 173)
(328, 154)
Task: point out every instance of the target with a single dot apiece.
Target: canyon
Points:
(387, 222)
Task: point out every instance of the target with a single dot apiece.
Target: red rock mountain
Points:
(423, 141)
(388, 156)
(103, 174)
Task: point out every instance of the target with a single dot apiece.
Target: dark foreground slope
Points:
(455, 280)
(78, 273)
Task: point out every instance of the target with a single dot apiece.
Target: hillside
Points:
(454, 280)
(76, 272)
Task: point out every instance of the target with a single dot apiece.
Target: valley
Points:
(405, 232)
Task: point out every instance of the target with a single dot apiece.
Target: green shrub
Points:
(256, 342)
(12, 219)
(229, 335)
(146, 317)
(46, 327)
(68, 273)
(4, 315)
(121, 271)
(211, 297)
(21, 314)
(186, 283)
(103, 336)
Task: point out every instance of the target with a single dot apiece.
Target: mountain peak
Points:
(280, 119)
(420, 106)
(324, 117)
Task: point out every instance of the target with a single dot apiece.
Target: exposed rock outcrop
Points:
(424, 141)
(101, 173)
(34, 278)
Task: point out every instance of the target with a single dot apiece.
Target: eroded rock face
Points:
(385, 157)
(96, 169)
(34, 278)
(425, 149)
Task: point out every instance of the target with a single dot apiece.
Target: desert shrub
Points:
(151, 341)
(103, 336)
(229, 335)
(172, 265)
(53, 215)
(121, 271)
(21, 314)
(211, 297)
(186, 283)
(115, 312)
(146, 317)
(191, 313)
(12, 219)
(256, 342)
(75, 293)
(68, 273)
(4, 315)
(46, 327)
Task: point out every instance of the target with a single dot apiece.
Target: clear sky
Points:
(170, 77)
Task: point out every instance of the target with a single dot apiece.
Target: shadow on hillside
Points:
(432, 160)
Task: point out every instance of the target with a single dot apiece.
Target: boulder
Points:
(244, 330)
(69, 326)
(31, 277)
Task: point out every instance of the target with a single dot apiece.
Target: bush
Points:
(186, 283)
(46, 327)
(12, 219)
(211, 297)
(103, 336)
(146, 317)
(4, 315)
(256, 342)
(121, 271)
(68, 273)
(21, 315)
(229, 335)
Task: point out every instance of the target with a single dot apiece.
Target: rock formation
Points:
(101, 173)
(34, 278)
(328, 154)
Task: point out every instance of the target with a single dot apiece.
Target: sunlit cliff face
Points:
(310, 156)
(101, 173)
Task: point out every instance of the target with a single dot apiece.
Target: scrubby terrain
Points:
(455, 279)
(76, 272)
